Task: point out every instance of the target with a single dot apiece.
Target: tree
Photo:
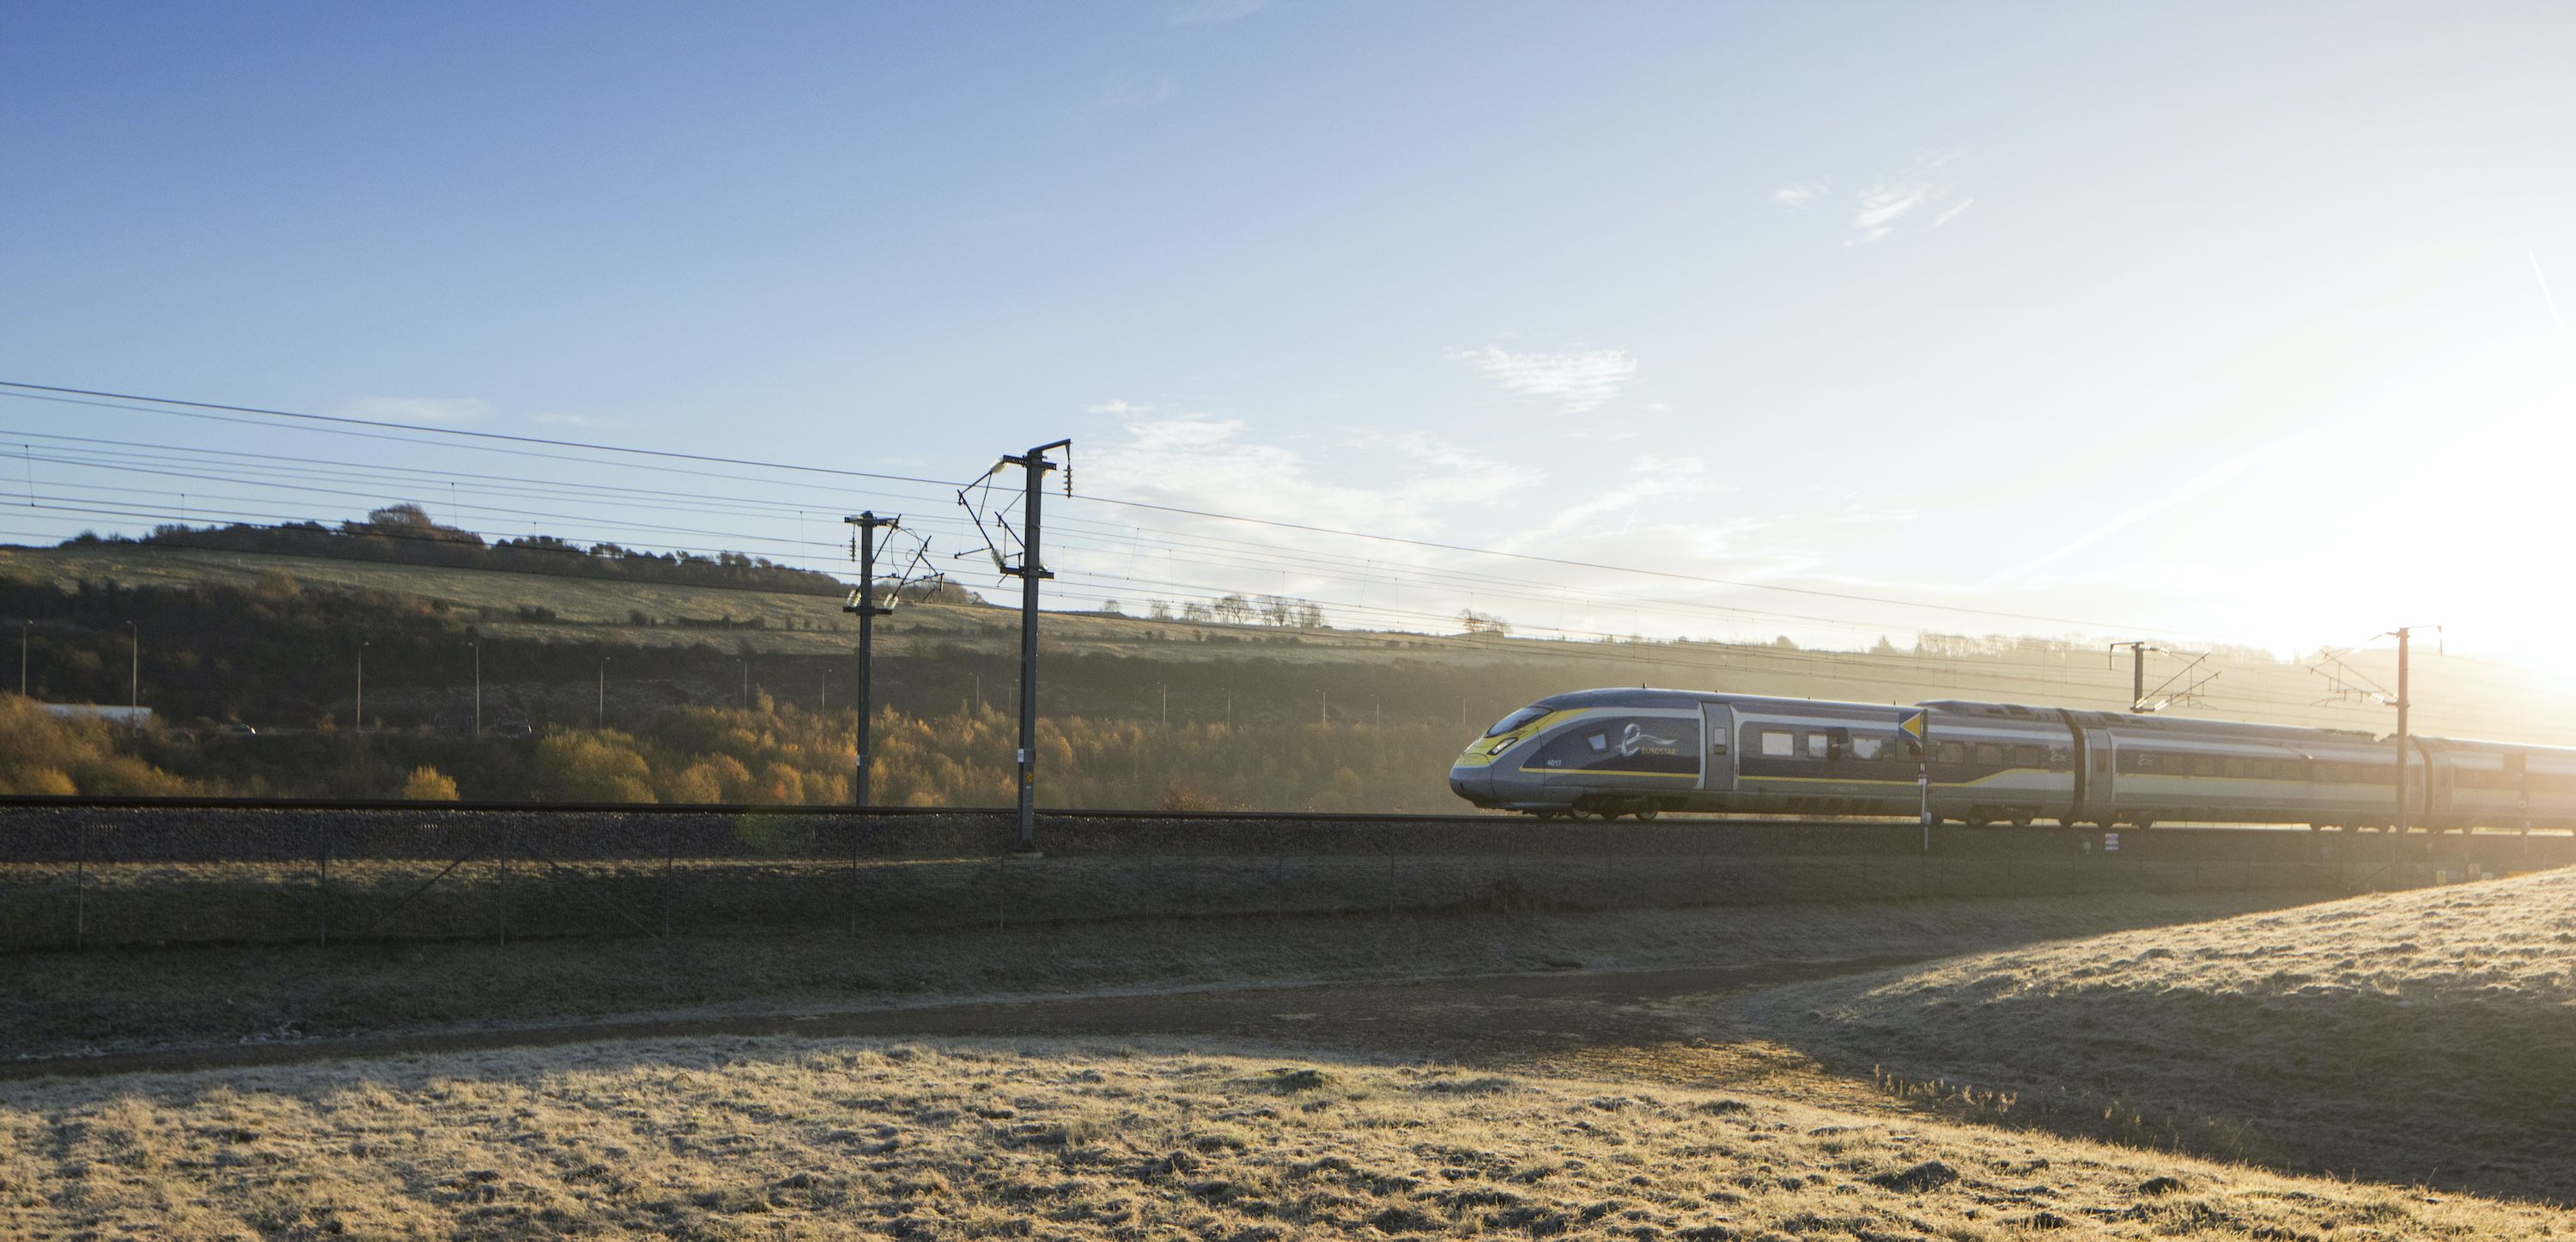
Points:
(1483, 623)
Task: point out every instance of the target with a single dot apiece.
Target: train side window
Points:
(2235, 767)
(2139, 761)
(2203, 765)
(1869, 748)
(1779, 743)
(2029, 757)
(1950, 752)
(1819, 746)
(1990, 755)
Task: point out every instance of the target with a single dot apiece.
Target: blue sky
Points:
(2219, 320)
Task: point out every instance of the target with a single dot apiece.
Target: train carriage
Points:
(1643, 751)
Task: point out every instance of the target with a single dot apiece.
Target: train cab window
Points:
(2029, 757)
(1779, 743)
(1990, 755)
(1514, 721)
(1819, 746)
(1951, 752)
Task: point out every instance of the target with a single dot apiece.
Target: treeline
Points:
(405, 534)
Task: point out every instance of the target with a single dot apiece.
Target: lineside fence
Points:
(85, 878)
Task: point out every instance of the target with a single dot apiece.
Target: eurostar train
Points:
(1640, 752)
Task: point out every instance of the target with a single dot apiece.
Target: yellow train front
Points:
(1603, 752)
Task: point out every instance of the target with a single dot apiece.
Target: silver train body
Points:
(1644, 751)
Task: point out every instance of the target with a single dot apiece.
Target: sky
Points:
(2213, 322)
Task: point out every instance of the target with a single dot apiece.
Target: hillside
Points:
(1460, 680)
(2420, 1036)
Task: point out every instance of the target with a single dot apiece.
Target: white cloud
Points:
(417, 409)
(1878, 210)
(1854, 515)
(1580, 381)
(1201, 12)
(1122, 92)
(1114, 406)
(1798, 196)
(1882, 205)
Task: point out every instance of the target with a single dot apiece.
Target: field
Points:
(2428, 1035)
(2186, 1065)
(825, 1138)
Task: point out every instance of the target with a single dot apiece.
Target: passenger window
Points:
(1990, 754)
(2029, 757)
(2236, 767)
(1779, 743)
(2204, 766)
(1818, 746)
(1867, 748)
(1951, 752)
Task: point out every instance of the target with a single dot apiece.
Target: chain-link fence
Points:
(79, 878)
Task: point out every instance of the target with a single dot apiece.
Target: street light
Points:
(362, 688)
(745, 662)
(134, 687)
(478, 687)
(603, 692)
(26, 629)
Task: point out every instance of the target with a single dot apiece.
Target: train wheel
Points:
(2144, 822)
(1647, 813)
(2020, 819)
(1978, 820)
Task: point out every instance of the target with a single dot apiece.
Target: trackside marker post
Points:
(1919, 727)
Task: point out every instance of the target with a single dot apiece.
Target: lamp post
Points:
(362, 688)
(603, 692)
(134, 686)
(477, 648)
(746, 681)
(26, 630)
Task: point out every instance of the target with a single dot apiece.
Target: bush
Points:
(428, 784)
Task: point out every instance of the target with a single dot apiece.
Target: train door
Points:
(1718, 774)
(2101, 797)
(2517, 782)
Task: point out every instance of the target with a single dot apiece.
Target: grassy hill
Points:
(2457, 696)
(2423, 1036)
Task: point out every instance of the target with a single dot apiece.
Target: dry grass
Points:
(799, 1139)
(2427, 1035)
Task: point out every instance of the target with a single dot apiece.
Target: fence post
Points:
(505, 879)
(670, 860)
(80, 887)
(322, 883)
(856, 827)
(1002, 892)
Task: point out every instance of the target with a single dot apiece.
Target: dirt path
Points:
(1579, 1017)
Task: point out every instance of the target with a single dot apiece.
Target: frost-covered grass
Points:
(2427, 1035)
(778, 1138)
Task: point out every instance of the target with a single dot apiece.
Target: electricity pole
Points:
(134, 687)
(603, 692)
(478, 687)
(864, 602)
(2403, 703)
(2137, 672)
(361, 723)
(1031, 571)
(26, 631)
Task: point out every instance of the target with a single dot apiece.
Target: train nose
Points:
(1475, 784)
